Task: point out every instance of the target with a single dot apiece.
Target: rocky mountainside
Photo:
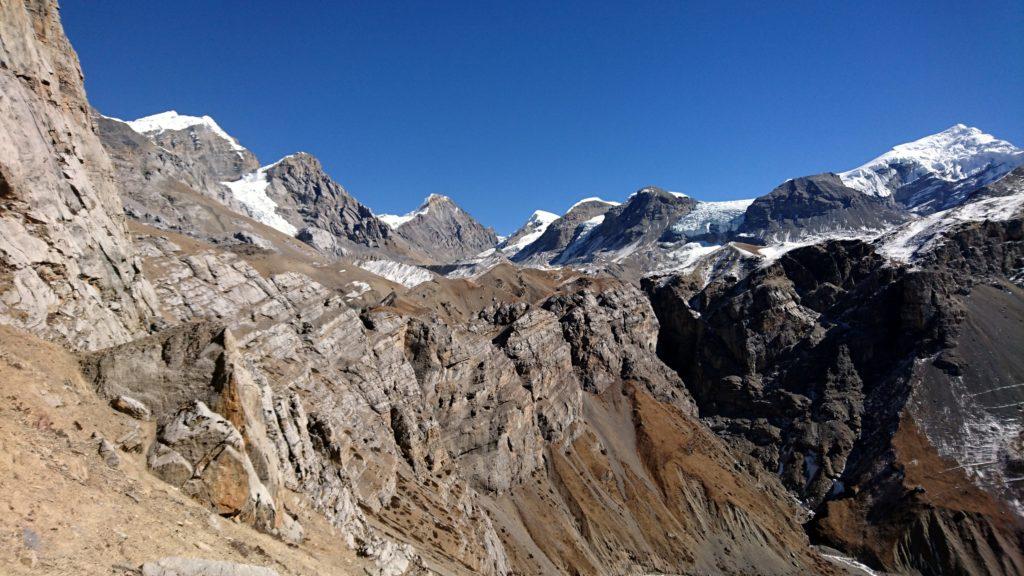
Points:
(817, 206)
(559, 234)
(878, 393)
(443, 230)
(194, 390)
(198, 140)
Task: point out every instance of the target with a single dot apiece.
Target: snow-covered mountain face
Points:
(172, 121)
(528, 232)
(935, 172)
(442, 230)
(999, 202)
(198, 140)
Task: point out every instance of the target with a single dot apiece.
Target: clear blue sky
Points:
(512, 106)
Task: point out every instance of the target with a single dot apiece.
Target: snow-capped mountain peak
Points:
(171, 120)
(396, 220)
(533, 229)
(953, 155)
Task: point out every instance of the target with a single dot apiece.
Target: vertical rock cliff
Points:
(67, 267)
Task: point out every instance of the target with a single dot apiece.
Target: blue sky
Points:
(512, 106)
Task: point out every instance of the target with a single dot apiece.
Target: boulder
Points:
(131, 407)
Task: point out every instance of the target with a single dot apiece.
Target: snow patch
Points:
(851, 563)
(171, 120)
(251, 191)
(920, 236)
(591, 199)
(404, 274)
(395, 220)
(358, 289)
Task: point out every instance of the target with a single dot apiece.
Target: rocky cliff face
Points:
(562, 232)
(442, 430)
(443, 231)
(864, 385)
(68, 268)
(328, 218)
(817, 206)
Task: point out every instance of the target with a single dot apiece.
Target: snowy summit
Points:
(952, 155)
(171, 120)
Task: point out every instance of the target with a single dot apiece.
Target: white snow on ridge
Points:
(251, 191)
(591, 199)
(395, 220)
(171, 120)
(954, 154)
(912, 239)
(404, 274)
(725, 216)
(537, 225)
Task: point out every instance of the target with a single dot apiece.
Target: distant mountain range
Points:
(652, 231)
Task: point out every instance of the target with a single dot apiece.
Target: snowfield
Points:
(251, 191)
(404, 274)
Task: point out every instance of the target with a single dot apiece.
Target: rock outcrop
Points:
(864, 385)
(817, 206)
(67, 267)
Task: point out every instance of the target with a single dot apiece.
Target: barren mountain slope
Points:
(67, 511)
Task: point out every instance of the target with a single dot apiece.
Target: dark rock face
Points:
(307, 197)
(446, 232)
(849, 377)
(640, 222)
(816, 205)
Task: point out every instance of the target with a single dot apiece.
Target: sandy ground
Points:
(63, 510)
